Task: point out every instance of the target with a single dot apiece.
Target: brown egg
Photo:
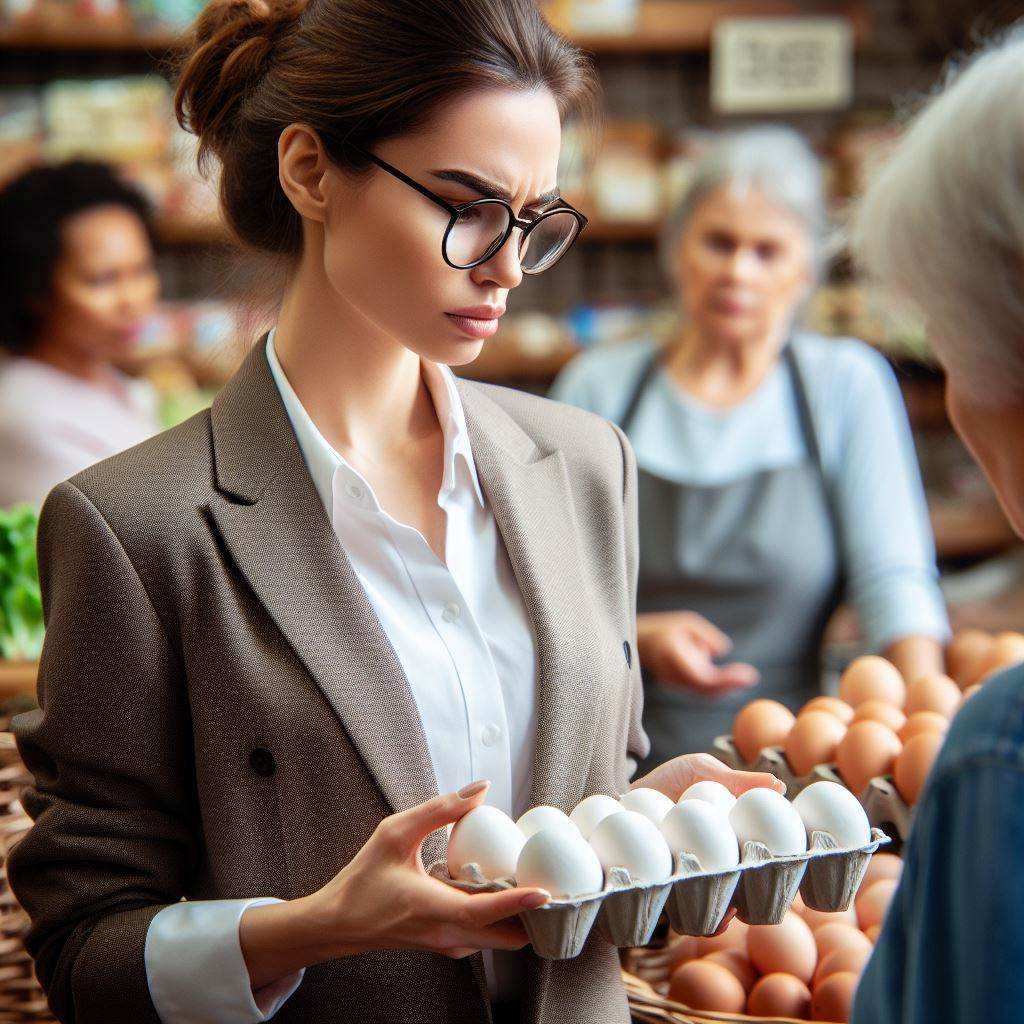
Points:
(818, 918)
(879, 711)
(926, 721)
(868, 749)
(849, 958)
(1007, 649)
(872, 678)
(873, 902)
(934, 692)
(734, 937)
(702, 985)
(760, 724)
(830, 937)
(831, 705)
(788, 947)
(682, 948)
(779, 995)
(966, 655)
(914, 762)
(737, 963)
(882, 865)
(833, 998)
(813, 740)
(873, 932)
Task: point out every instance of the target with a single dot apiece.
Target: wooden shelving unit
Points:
(663, 26)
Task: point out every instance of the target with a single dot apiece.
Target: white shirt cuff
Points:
(196, 971)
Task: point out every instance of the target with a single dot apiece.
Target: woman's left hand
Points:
(674, 777)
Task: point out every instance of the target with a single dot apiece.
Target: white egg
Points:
(712, 793)
(592, 810)
(649, 802)
(488, 837)
(702, 829)
(544, 816)
(560, 861)
(828, 807)
(631, 841)
(768, 817)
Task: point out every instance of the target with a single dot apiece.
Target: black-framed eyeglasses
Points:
(478, 229)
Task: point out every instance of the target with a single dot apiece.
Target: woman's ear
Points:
(302, 167)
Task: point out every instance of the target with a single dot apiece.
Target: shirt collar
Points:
(323, 460)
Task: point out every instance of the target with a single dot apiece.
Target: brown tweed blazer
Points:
(223, 717)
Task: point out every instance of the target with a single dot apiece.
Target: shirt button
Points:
(354, 491)
(451, 612)
(490, 734)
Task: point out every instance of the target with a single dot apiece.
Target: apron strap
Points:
(643, 382)
(810, 433)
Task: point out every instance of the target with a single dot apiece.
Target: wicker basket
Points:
(645, 975)
(21, 999)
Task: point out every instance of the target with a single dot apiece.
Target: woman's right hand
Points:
(384, 899)
(678, 648)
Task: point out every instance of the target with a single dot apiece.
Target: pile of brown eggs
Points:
(805, 968)
(879, 724)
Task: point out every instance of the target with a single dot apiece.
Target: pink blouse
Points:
(53, 424)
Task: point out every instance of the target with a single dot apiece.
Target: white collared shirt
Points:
(462, 635)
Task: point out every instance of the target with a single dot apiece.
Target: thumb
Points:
(408, 829)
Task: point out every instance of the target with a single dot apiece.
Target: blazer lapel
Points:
(277, 531)
(530, 497)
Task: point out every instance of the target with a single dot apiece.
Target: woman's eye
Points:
(766, 253)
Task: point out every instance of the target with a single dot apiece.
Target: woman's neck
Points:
(69, 360)
(720, 372)
(363, 389)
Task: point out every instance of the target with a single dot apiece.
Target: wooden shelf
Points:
(686, 26)
(178, 230)
(18, 678)
(663, 27)
(84, 35)
(498, 365)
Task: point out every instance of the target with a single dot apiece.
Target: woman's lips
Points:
(475, 327)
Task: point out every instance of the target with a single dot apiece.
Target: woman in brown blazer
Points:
(276, 633)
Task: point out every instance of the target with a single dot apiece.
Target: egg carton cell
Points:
(885, 808)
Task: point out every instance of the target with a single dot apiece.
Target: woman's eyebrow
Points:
(490, 191)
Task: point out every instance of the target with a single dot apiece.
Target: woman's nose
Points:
(503, 268)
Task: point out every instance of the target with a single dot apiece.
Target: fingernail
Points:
(473, 788)
(536, 899)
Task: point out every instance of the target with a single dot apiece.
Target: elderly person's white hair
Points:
(773, 159)
(943, 222)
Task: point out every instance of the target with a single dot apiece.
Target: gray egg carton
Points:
(882, 803)
(762, 889)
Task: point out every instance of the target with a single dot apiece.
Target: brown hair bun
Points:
(357, 72)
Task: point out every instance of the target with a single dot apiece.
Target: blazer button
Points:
(262, 761)
(628, 652)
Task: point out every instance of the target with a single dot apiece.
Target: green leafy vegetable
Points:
(21, 606)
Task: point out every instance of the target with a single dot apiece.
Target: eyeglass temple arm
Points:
(384, 165)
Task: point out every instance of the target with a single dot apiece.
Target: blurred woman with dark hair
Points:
(77, 279)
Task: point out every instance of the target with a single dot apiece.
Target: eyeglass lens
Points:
(480, 230)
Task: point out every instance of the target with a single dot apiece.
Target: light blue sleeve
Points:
(887, 541)
(196, 971)
(579, 384)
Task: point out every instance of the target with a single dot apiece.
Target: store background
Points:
(88, 77)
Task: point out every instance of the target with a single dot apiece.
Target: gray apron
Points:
(759, 557)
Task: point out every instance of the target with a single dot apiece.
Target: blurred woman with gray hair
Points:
(777, 471)
(943, 223)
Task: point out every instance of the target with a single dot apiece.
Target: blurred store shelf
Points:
(662, 26)
(680, 26)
